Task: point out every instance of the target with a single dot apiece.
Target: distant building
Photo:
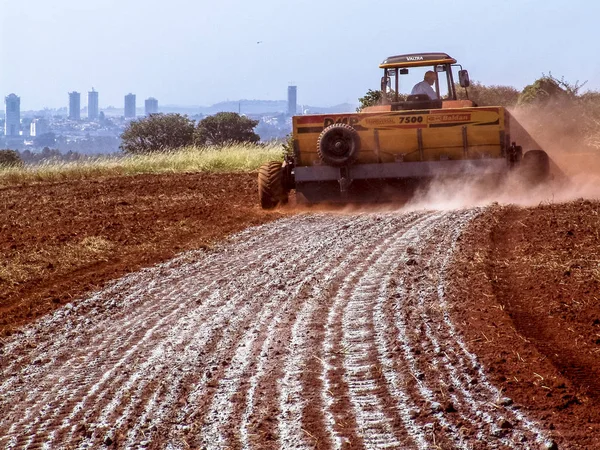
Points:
(292, 100)
(151, 106)
(39, 127)
(93, 110)
(130, 106)
(12, 108)
(26, 127)
(74, 105)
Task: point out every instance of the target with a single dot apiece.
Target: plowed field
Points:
(474, 328)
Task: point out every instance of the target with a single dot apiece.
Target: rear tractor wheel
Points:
(272, 189)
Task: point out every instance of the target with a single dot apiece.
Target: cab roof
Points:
(416, 60)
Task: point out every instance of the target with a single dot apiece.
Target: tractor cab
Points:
(402, 73)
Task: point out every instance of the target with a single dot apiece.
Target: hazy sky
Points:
(199, 52)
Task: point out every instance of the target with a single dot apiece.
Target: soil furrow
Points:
(338, 395)
(297, 385)
(148, 333)
(220, 331)
(282, 302)
(368, 390)
(316, 331)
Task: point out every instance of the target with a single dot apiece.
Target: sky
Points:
(200, 52)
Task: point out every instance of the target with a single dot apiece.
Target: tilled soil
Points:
(460, 329)
(59, 240)
(326, 331)
(526, 296)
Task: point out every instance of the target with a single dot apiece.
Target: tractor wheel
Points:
(536, 166)
(338, 145)
(271, 186)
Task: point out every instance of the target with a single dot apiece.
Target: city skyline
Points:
(73, 105)
(150, 104)
(240, 50)
(93, 99)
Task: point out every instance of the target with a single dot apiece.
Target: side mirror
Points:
(385, 82)
(463, 78)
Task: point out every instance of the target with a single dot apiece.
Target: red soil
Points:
(527, 292)
(141, 220)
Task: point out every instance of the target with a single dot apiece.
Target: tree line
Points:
(16, 158)
(156, 133)
(162, 132)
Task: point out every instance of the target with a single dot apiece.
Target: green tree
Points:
(10, 158)
(158, 132)
(374, 98)
(224, 128)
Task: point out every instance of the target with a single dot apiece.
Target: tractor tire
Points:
(536, 166)
(338, 145)
(271, 186)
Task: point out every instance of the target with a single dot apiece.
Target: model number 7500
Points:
(411, 119)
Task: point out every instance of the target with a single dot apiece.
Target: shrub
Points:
(554, 110)
(493, 95)
(10, 158)
(548, 89)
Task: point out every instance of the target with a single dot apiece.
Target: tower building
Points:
(93, 105)
(130, 106)
(74, 105)
(151, 106)
(12, 108)
(292, 100)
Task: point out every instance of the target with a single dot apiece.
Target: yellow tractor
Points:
(424, 134)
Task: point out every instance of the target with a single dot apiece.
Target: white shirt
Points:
(424, 88)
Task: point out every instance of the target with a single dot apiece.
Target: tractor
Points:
(416, 136)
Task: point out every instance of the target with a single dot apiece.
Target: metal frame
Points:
(449, 81)
(400, 170)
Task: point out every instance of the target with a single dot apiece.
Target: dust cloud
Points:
(444, 194)
(574, 168)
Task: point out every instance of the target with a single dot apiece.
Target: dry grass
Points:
(234, 158)
(22, 267)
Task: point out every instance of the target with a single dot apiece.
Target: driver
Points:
(424, 87)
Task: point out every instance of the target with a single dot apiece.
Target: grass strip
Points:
(232, 158)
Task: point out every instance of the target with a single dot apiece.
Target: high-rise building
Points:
(130, 106)
(292, 100)
(12, 108)
(74, 105)
(151, 106)
(39, 126)
(93, 105)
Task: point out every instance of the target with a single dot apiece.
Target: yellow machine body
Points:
(410, 136)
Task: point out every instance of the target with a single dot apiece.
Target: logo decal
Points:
(445, 118)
